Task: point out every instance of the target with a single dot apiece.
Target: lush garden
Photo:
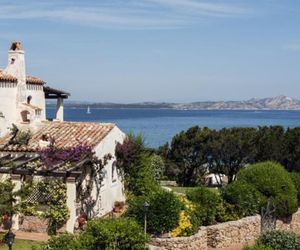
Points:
(277, 240)
(191, 155)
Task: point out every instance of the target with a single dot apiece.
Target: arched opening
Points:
(29, 99)
(25, 116)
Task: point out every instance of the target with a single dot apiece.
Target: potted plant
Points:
(119, 206)
(6, 221)
(81, 221)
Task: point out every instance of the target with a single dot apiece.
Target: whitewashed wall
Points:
(8, 105)
(38, 98)
(111, 191)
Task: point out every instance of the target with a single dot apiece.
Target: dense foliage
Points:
(206, 201)
(194, 152)
(64, 241)
(140, 167)
(108, 234)
(296, 180)
(247, 200)
(7, 198)
(189, 152)
(280, 240)
(274, 183)
(57, 211)
(258, 247)
(188, 223)
(163, 212)
(121, 233)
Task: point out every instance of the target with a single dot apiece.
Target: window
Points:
(29, 99)
(114, 171)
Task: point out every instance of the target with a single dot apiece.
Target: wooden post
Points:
(16, 180)
(71, 203)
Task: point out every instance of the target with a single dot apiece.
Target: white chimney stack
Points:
(16, 68)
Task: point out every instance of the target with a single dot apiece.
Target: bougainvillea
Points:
(52, 156)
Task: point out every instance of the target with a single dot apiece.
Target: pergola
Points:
(16, 163)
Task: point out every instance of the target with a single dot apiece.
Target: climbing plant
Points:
(51, 194)
(91, 177)
(19, 137)
(57, 211)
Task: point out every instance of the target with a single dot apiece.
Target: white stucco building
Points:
(22, 102)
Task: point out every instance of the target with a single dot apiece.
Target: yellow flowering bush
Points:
(187, 224)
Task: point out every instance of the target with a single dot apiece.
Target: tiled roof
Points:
(65, 134)
(29, 79)
(7, 78)
(34, 80)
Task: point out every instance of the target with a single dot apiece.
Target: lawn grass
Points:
(183, 190)
(20, 244)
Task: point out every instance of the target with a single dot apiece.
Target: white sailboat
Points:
(88, 110)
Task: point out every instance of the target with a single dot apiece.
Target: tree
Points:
(269, 144)
(189, 153)
(140, 167)
(291, 154)
(230, 150)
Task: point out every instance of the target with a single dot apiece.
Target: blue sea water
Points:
(159, 125)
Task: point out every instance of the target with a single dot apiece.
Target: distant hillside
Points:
(272, 103)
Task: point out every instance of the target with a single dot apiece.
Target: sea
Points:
(158, 126)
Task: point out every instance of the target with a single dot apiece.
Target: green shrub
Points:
(247, 200)
(163, 212)
(296, 180)
(226, 212)
(188, 222)
(280, 240)
(257, 247)
(274, 183)
(64, 241)
(122, 233)
(207, 201)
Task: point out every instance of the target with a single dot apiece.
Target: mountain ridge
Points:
(270, 103)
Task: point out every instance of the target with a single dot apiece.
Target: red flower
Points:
(81, 220)
(5, 217)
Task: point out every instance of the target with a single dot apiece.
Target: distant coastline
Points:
(272, 103)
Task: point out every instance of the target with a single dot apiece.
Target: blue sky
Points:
(158, 50)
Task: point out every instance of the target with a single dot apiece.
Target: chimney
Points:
(16, 68)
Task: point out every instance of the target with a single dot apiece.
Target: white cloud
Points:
(151, 14)
(208, 8)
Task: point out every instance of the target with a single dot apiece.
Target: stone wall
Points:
(226, 235)
(291, 223)
(37, 225)
(231, 233)
(33, 224)
(197, 241)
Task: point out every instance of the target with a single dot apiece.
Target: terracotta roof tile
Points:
(29, 79)
(6, 77)
(66, 134)
(34, 80)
